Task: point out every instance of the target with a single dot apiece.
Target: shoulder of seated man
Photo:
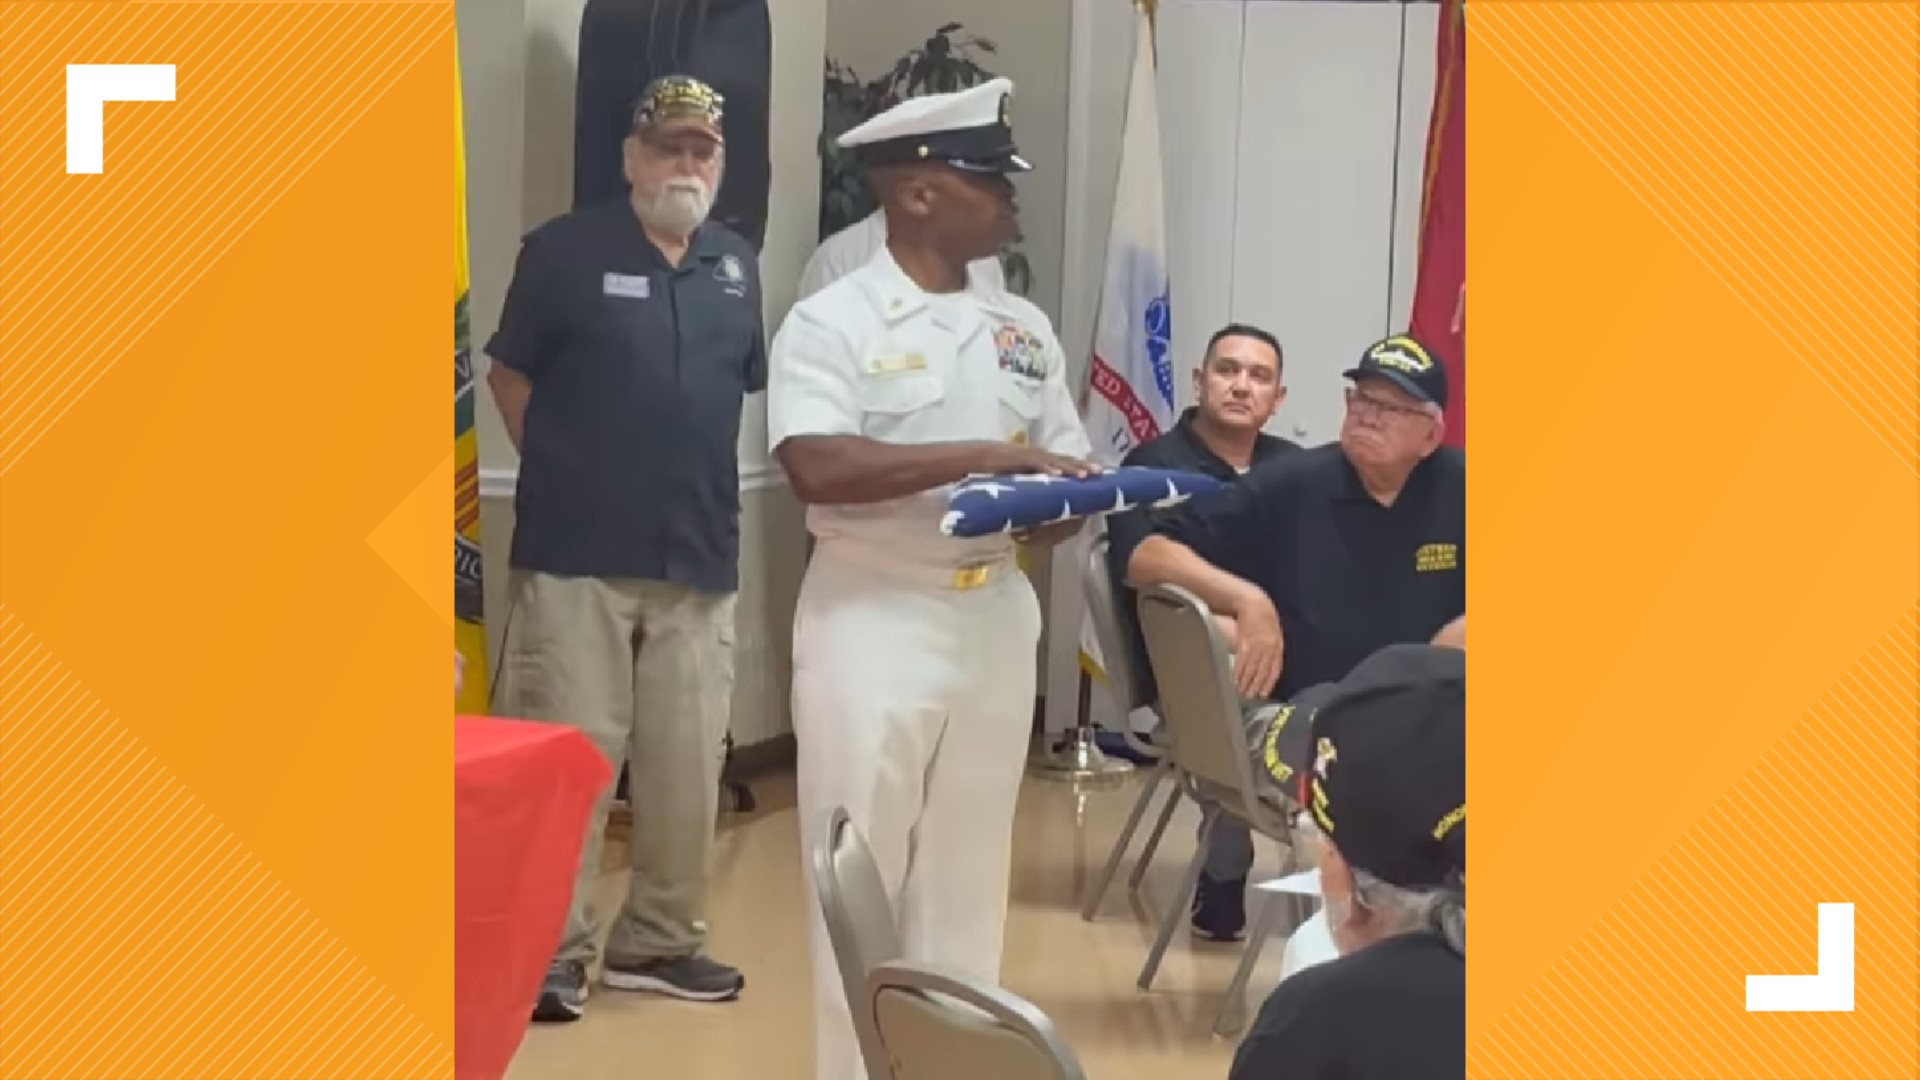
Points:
(1451, 460)
(1151, 454)
(1301, 461)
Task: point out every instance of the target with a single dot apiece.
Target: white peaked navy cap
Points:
(967, 129)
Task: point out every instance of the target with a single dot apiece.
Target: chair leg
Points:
(1159, 830)
(1233, 1010)
(1098, 891)
(1180, 902)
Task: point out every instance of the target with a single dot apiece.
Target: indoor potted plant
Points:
(949, 60)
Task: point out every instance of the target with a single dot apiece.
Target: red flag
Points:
(1440, 291)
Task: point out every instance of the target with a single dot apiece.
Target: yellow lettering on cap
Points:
(1454, 817)
(1319, 808)
(1278, 769)
(1403, 354)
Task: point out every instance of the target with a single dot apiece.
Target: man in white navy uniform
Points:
(914, 653)
(854, 246)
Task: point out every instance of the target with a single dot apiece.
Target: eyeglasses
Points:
(1367, 407)
(702, 151)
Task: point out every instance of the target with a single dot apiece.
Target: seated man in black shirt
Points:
(1349, 547)
(1383, 753)
(1238, 388)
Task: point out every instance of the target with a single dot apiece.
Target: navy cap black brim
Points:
(1001, 164)
(1398, 379)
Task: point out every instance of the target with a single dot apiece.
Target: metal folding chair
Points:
(1207, 744)
(938, 1025)
(1116, 652)
(859, 918)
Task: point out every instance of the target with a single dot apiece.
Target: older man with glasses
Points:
(1327, 555)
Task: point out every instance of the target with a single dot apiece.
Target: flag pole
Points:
(1078, 757)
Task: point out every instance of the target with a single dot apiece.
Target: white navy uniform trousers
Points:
(914, 654)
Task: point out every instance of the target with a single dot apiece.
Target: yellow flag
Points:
(469, 628)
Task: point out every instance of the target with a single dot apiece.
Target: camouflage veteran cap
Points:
(681, 102)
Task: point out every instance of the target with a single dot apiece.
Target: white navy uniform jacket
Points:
(855, 246)
(873, 355)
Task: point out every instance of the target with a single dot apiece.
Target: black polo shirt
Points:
(1183, 449)
(1395, 1010)
(1347, 575)
(629, 463)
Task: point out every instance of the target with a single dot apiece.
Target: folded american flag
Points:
(985, 505)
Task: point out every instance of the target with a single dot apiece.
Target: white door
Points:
(1294, 132)
(1320, 94)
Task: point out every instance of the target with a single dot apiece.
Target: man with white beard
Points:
(629, 336)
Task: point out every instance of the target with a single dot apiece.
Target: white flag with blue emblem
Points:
(1132, 369)
(1131, 372)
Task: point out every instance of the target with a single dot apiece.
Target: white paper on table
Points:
(1305, 883)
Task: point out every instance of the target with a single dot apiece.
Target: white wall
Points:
(1295, 137)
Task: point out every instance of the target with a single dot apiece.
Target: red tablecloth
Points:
(521, 796)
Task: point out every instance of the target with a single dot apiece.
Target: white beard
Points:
(678, 208)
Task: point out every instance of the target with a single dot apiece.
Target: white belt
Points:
(967, 576)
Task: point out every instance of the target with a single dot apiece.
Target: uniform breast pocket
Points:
(903, 407)
(1019, 406)
(634, 323)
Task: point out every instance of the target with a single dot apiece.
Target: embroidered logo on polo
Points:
(1432, 558)
(731, 276)
(1021, 351)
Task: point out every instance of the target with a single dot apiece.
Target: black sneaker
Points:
(1220, 909)
(689, 978)
(563, 996)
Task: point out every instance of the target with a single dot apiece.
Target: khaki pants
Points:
(644, 669)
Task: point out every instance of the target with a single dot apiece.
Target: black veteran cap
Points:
(679, 102)
(967, 129)
(1383, 755)
(1408, 364)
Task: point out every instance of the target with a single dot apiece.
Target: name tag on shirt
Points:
(897, 364)
(627, 285)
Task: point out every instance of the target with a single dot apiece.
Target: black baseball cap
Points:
(1407, 364)
(1380, 761)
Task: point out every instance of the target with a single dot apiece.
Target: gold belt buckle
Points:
(971, 577)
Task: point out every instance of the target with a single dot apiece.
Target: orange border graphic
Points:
(1695, 527)
(224, 747)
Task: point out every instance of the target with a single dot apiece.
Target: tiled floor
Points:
(1082, 974)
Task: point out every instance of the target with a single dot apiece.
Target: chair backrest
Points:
(1206, 726)
(940, 1025)
(1109, 625)
(860, 922)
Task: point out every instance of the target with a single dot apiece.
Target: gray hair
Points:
(1400, 910)
(1406, 910)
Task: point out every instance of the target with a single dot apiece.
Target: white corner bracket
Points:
(1831, 990)
(89, 88)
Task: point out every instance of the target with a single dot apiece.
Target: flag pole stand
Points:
(1079, 759)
